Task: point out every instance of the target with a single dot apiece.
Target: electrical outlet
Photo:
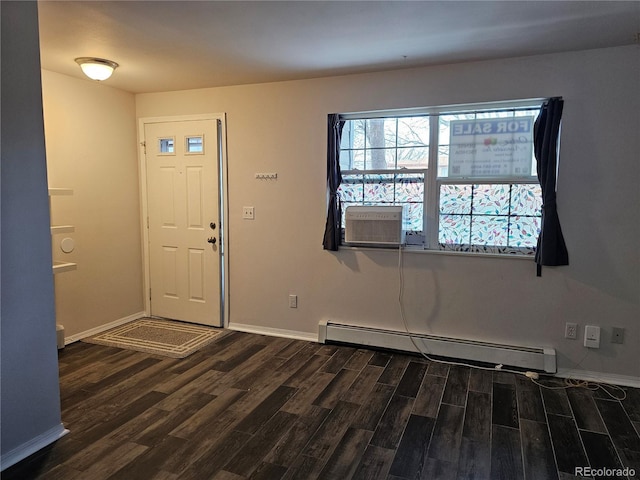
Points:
(248, 213)
(592, 336)
(617, 335)
(293, 301)
(571, 330)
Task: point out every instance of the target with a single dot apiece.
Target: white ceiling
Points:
(175, 45)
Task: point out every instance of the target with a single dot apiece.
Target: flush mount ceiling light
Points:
(96, 68)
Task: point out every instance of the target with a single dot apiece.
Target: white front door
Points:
(183, 208)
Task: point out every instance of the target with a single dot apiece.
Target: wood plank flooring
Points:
(256, 407)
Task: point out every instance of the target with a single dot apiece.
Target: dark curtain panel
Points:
(333, 228)
(551, 249)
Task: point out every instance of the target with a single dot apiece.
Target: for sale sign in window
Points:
(496, 147)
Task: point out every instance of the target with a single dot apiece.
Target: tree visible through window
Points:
(466, 177)
(384, 162)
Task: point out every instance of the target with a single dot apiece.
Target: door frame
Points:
(220, 119)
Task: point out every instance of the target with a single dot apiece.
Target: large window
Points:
(465, 175)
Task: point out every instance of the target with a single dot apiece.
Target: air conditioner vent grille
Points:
(374, 226)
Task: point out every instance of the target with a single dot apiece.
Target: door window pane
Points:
(195, 144)
(166, 145)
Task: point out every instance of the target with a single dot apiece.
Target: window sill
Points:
(414, 249)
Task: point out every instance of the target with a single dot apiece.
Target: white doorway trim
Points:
(224, 212)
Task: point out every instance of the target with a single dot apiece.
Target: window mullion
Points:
(474, 190)
(395, 176)
(509, 224)
(431, 188)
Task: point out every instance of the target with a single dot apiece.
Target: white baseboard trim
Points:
(103, 328)
(599, 377)
(32, 446)
(611, 378)
(273, 332)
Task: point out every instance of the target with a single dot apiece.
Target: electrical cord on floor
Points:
(533, 376)
(589, 385)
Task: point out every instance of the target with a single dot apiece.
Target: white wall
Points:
(30, 414)
(91, 148)
(281, 127)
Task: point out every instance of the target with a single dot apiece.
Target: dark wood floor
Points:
(257, 407)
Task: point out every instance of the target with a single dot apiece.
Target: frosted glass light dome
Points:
(96, 68)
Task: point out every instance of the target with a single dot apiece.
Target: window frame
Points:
(432, 182)
(187, 145)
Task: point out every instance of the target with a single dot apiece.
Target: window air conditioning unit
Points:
(374, 226)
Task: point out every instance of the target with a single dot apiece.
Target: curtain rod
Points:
(506, 106)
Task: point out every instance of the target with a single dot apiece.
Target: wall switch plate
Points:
(571, 330)
(592, 336)
(293, 301)
(248, 213)
(617, 335)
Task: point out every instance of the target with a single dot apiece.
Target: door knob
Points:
(212, 240)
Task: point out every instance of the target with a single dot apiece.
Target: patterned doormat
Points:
(160, 337)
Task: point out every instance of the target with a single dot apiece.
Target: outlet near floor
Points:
(592, 336)
(571, 330)
(293, 301)
(617, 335)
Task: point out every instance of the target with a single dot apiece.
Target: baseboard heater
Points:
(529, 358)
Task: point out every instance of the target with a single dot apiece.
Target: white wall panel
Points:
(281, 127)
